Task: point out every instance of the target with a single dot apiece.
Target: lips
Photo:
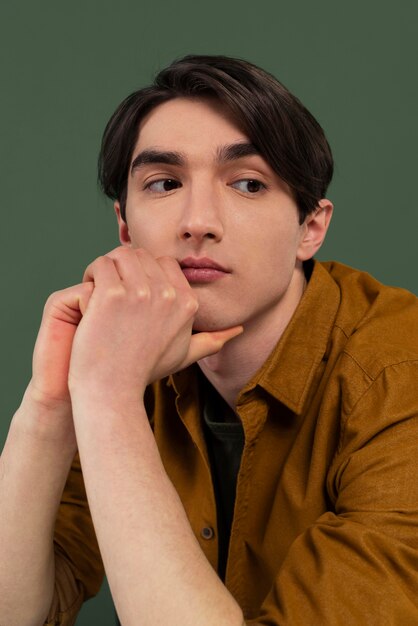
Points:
(203, 270)
(202, 263)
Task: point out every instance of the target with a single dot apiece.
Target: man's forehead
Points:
(181, 118)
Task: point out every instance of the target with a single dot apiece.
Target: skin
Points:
(129, 323)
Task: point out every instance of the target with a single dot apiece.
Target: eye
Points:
(248, 185)
(163, 185)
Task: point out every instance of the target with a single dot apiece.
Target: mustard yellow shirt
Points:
(325, 528)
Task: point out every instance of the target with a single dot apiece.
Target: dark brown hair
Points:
(286, 135)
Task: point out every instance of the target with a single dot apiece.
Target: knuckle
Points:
(140, 252)
(142, 293)
(120, 252)
(115, 293)
(168, 260)
(168, 294)
(191, 304)
(96, 265)
(52, 296)
(52, 300)
(101, 260)
(107, 261)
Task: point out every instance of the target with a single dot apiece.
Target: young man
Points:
(245, 417)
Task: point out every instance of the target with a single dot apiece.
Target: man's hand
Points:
(51, 358)
(47, 403)
(137, 327)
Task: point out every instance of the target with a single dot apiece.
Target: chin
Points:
(204, 323)
(208, 323)
(201, 327)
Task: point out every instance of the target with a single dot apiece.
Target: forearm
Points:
(33, 468)
(156, 569)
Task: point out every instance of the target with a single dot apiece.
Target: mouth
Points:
(202, 270)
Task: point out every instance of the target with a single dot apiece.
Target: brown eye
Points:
(165, 184)
(248, 185)
(253, 186)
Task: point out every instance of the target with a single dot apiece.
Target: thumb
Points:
(207, 343)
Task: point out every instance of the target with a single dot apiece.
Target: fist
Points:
(51, 358)
(137, 327)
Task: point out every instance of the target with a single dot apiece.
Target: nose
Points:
(201, 217)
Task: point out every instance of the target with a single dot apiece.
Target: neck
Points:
(232, 367)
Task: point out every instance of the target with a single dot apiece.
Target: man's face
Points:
(198, 192)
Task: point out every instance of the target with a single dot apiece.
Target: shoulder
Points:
(379, 323)
(371, 361)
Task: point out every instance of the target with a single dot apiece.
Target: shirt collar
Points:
(288, 372)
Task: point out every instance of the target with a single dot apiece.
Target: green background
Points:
(65, 66)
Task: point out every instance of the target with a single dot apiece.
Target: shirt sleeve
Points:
(78, 565)
(358, 563)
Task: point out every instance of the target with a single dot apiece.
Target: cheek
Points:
(146, 234)
(152, 228)
(276, 244)
(275, 259)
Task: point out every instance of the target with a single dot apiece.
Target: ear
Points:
(124, 236)
(314, 230)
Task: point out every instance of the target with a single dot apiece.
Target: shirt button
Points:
(207, 532)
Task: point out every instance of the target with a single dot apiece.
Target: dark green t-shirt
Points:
(225, 438)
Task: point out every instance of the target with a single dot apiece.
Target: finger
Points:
(68, 305)
(151, 266)
(87, 273)
(128, 266)
(173, 271)
(84, 296)
(102, 272)
(157, 274)
(206, 343)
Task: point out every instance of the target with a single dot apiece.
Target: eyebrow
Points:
(236, 151)
(224, 154)
(156, 156)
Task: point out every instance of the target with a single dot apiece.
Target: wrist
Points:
(109, 420)
(43, 402)
(107, 399)
(46, 418)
